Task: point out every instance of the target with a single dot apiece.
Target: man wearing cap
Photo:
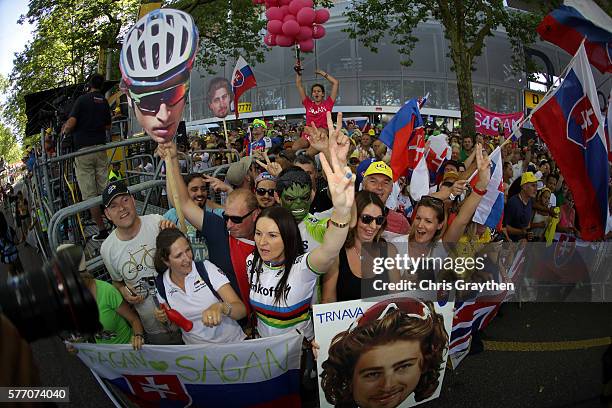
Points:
(229, 237)
(265, 184)
(519, 209)
(260, 140)
(241, 174)
(378, 179)
(128, 254)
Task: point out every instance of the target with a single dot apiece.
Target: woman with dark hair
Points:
(396, 348)
(200, 292)
(345, 280)
(282, 278)
(9, 254)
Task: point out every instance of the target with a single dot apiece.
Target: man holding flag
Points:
(569, 121)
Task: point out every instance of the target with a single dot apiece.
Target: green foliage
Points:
(466, 24)
(9, 149)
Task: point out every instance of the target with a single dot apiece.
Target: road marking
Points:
(547, 345)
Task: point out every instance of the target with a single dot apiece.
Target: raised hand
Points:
(483, 164)
(217, 184)
(167, 150)
(339, 143)
(271, 167)
(340, 178)
(317, 137)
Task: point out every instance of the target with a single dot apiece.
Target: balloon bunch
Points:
(293, 22)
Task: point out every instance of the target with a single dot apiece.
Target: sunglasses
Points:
(408, 306)
(263, 191)
(235, 218)
(151, 102)
(367, 219)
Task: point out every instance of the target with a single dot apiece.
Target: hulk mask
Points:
(297, 200)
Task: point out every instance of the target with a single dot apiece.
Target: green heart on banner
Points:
(159, 365)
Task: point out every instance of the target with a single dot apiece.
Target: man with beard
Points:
(219, 96)
(198, 193)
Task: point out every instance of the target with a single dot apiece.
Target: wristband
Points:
(229, 308)
(138, 335)
(479, 192)
(338, 224)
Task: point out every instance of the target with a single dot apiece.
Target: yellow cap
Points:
(372, 132)
(379, 167)
(528, 177)
(259, 122)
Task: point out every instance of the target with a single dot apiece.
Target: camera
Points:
(45, 302)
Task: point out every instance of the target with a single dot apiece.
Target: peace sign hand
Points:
(271, 167)
(340, 179)
(317, 137)
(339, 142)
(483, 163)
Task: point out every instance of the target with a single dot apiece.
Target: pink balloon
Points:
(318, 31)
(285, 10)
(307, 45)
(304, 34)
(295, 6)
(274, 13)
(305, 16)
(321, 16)
(270, 40)
(275, 27)
(271, 3)
(285, 2)
(284, 41)
(291, 28)
(308, 3)
(289, 17)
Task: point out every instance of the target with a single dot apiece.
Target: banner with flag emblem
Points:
(262, 373)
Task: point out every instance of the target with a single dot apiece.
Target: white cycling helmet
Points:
(159, 51)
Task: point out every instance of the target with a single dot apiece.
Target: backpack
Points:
(200, 267)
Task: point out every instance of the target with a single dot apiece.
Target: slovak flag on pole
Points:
(402, 136)
(242, 80)
(570, 123)
(576, 20)
(491, 207)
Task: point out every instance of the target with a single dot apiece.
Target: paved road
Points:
(511, 376)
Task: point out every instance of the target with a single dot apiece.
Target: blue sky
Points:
(14, 36)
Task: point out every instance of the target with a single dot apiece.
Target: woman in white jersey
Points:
(282, 278)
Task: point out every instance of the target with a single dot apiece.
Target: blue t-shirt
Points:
(264, 143)
(198, 243)
(517, 214)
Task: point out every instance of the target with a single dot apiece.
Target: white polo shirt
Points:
(196, 298)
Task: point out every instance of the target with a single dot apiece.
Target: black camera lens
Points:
(45, 302)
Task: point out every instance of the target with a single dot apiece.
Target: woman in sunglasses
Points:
(265, 183)
(282, 278)
(396, 349)
(346, 278)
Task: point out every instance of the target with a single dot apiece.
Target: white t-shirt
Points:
(553, 200)
(132, 262)
(292, 313)
(196, 298)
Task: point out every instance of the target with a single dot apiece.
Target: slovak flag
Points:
(569, 121)
(576, 20)
(402, 136)
(491, 206)
(242, 80)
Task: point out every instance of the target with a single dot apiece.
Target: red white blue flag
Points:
(491, 207)
(569, 121)
(243, 79)
(402, 136)
(576, 20)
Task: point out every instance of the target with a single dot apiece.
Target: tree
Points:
(466, 25)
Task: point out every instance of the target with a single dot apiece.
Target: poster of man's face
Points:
(219, 97)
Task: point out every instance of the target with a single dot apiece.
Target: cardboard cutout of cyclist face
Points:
(219, 96)
(157, 88)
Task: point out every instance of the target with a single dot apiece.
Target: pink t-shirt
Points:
(316, 113)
